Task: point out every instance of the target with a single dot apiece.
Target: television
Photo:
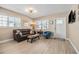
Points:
(72, 17)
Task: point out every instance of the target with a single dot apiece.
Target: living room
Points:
(16, 19)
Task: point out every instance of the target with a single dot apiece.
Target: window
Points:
(59, 21)
(9, 21)
(3, 20)
(17, 22)
(42, 24)
(39, 24)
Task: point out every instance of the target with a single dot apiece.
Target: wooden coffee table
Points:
(33, 37)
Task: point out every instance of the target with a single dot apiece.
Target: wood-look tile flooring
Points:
(41, 46)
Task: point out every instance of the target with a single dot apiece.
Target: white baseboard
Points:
(5, 40)
(73, 46)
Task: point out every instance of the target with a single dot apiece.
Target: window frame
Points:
(42, 26)
(8, 21)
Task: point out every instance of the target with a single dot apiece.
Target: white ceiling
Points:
(43, 9)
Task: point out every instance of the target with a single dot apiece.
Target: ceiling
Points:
(42, 9)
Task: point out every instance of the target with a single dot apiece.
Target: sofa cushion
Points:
(18, 32)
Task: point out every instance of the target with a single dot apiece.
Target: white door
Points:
(60, 28)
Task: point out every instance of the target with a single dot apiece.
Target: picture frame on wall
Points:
(72, 17)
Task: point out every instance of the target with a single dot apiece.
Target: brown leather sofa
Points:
(18, 37)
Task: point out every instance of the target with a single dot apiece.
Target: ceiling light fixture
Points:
(31, 10)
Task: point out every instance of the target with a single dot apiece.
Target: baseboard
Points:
(73, 46)
(5, 40)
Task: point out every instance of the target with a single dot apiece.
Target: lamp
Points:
(33, 24)
(31, 10)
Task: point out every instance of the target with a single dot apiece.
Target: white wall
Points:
(51, 27)
(7, 33)
(74, 30)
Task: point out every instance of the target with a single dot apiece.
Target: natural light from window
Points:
(9, 21)
(42, 24)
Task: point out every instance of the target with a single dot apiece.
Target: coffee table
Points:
(33, 37)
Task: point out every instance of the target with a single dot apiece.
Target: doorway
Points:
(60, 28)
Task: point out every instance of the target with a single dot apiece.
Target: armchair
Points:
(47, 34)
